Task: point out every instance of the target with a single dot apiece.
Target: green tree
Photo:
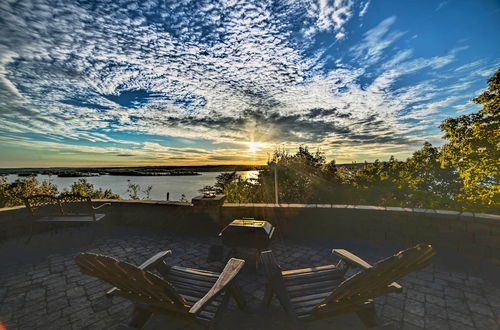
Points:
(134, 191)
(377, 183)
(11, 193)
(302, 177)
(223, 179)
(474, 149)
(84, 188)
(296, 175)
(424, 183)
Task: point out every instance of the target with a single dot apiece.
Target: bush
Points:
(11, 193)
(85, 188)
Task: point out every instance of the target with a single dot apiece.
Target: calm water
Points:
(176, 185)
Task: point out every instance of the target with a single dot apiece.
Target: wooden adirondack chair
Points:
(314, 293)
(189, 294)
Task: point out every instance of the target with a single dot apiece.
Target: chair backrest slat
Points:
(134, 283)
(373, 282)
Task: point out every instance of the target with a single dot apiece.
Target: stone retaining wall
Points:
(466, 232)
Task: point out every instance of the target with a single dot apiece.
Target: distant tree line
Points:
(463, 174)
(11, 193)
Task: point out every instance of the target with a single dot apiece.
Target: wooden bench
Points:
(65, 208)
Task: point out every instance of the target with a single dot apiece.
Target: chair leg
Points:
(235, 291)
(222, 307)
(368, 315)
(139, 317)
(268, 295)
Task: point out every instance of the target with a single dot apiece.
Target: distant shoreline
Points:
(129, 171)
(139, 170)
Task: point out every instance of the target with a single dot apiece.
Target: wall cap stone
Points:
(482, 217)
(485, 217)
(369, 207)
(398, 209)
(447, 212)
(12, 209)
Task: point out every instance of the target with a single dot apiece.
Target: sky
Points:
(160, 82)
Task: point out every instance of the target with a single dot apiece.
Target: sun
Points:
(254, 146)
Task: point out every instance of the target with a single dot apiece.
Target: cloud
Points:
(441, 5)
(222, 71)
(329, 15)
(375, 41)
(364, 8)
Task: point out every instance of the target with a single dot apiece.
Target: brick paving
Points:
(42, 288)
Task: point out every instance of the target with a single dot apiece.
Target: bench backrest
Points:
(376, 280)
(42, 205)
(75, 204)
(65, 204)
(133, 283)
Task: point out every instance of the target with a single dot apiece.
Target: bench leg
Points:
(31, 232)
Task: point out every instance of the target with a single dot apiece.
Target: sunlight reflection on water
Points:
(249, 174)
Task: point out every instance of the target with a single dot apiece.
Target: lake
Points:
(175, 185)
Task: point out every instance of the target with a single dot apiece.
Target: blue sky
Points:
(219, 82)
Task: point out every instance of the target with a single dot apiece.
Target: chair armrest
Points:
(272, 233)
(395, 287)
(230, 271)
(351, 259)
(102, 205)
(355, 261)
(155, 260)
(149, 264)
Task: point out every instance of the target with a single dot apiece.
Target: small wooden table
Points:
(248, 233)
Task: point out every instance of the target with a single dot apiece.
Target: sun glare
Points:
(254, 146)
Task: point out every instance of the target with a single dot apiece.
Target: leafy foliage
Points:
(134, 191)
(474, 149)
(11, 193)
(85, 188)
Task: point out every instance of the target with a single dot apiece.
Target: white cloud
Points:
(226, 71)
(364, 8)
(375, 41)
(329, 15)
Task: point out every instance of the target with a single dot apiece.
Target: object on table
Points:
(248, 233)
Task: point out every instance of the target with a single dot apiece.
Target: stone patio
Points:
(42, 288)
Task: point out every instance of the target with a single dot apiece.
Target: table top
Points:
(248, 223)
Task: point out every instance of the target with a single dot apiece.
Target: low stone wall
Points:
(467, 233)
(14, 222)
